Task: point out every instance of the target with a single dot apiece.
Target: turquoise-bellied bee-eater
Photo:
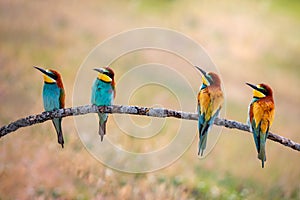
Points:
(261, 115)
(54, 97)
(103, 93)
(210, 101)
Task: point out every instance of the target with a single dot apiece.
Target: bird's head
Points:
(209, 78)
(50, 75)
(261, 90)
(105, 74)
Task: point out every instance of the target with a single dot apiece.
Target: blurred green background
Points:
(257, 41)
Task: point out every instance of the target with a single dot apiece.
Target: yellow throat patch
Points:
(205, 82)
(47, 79)
(258, 94)
(104, 77)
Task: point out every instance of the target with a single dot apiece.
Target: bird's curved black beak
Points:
(100, 70)
(208, 78)
(201, 70)
(53, 76)
(256, 88)
(253, 86)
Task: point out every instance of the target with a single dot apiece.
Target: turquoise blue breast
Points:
(51, 95)
(102, 93)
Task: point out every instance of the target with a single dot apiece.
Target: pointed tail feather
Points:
(202, 144)
(102, 129)
(262, 150)
(262, 156)
(102, 125)
(203, 129)
(57, 125)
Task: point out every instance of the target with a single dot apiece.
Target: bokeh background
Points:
(248, 41)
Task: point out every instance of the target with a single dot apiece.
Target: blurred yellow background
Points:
(248, 41)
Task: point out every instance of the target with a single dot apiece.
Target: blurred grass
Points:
(249, 41)
(290, 8)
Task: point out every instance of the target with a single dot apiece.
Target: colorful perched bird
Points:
(103, 93)
(210, 100)
(261, 115)
(54, 97)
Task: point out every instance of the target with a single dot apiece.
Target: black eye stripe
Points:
(109, 74)
(53, 76)
(263, 90)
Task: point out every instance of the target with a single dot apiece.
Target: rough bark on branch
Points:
(134, 110)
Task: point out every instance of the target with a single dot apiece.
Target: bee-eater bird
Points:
(210, 101)
(54, 97)
(261, 114)
(103, 93)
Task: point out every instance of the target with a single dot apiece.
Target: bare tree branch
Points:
(133, 110)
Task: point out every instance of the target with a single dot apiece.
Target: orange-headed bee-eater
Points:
(103, 93)
(54, 97)
(261, 115)
(210, 100)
